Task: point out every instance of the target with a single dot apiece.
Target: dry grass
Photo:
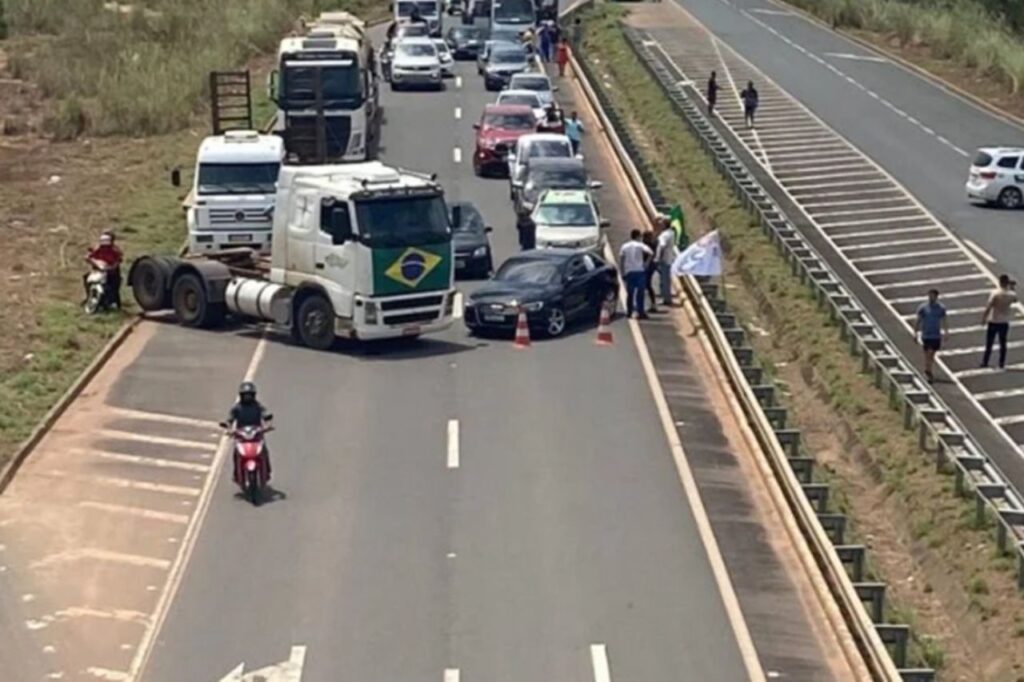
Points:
(945, 578)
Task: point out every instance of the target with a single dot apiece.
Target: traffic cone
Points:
(522, 331)
(604, 330)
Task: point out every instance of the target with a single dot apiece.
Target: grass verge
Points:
(943, 573)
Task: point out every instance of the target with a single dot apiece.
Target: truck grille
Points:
(230, 217)
(411, 318)
(300, 136)
(406, 303)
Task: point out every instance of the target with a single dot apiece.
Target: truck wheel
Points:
(315, 323)
(149, 283)
(191, 305)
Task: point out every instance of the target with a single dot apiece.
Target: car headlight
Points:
(480, 252)
(533, 306)
(370, 312)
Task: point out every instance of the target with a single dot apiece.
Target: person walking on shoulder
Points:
(750, 102)
(712, 93)
(997, 316)
(650, 240)
(574, 131)
(664, 255)
(562, 56)
(631, 259)
(931, 328)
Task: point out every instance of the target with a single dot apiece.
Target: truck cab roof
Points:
(241, 146)
(347, 179)
(323, 43)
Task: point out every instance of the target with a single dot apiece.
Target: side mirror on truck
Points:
(272, 86)
(176, 177)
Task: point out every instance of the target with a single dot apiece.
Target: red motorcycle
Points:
(252, 466)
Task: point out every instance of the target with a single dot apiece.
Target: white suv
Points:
(416, 63)
(997, 177)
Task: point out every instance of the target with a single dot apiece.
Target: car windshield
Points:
(427, 9)
(465, 218)
(529, 100)
(527, 271)
(237, 178)
(567, 178)
(413, 31)
(982, 159)
(441, 46)
(473, 33)
(549, 149)
(565, 215)
(417, 50)
(532, 83)
(513, 11)
(508, 57)
(403, 221)
(510, 121)
(341, 84)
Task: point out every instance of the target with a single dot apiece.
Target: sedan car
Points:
(445, 57)
(525, 97)
(537, 83)
(997, 177)
(544, 174)
(485, 52)
(465, 42)
(470, 242)
(553, 287)
(416, 63)
(567, 218)
(503, 62)
(537, 145)
(499, 128)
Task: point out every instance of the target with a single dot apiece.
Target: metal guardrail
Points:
(939, 431)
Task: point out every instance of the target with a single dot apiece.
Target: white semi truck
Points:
(361, 251)
(231, 203)
(328, 75)
(429, 10)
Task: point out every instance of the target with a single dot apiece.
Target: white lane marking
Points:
(978, 371)
(978, 349)
(945, 295)
(856, 57)
(457, 155)
(599, 659)
(913, 268)
(451, 675)
(458, 113)
(123, 615)
(901, 256)
(1009, 420)
(177, 571)
(459, 306)
(107, 674)
(157, 462)
(458, 82)
(902, 231)
(979, 252)
(88, 553)
(161, 417)
(899, 242)
(852, 202)
(132, 484)
(296, 661)
(158, 440)
(931, 282)
(149, 514)
(771, 12)
(453, 443)
(872, 221)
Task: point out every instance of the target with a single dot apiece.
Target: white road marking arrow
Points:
(287, 671)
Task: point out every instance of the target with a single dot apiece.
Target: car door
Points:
(577, 278)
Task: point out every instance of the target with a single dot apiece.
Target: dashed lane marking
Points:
(979, 252)
(453, 443)
(856, 57)
(599, 661)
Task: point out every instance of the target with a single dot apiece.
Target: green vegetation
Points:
(969, 33)
(141, 68)
(804, 348)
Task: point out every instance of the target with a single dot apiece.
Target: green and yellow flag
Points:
(678, 222)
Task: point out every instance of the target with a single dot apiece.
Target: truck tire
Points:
(191, 305)
(314, 323)
(149, 277)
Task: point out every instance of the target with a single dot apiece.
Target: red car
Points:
(499, 128)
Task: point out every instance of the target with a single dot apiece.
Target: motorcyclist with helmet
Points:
(107, 258)
(248, 412)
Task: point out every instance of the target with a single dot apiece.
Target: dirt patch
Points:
(945, 577)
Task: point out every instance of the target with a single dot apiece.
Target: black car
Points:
(465, 41)
(504, 61)
(553, 286)
(469, 239)
(550, 173)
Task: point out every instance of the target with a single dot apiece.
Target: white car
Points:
(537, 83)
(535, 145)
(416, 63)
(444, 53)
(522, 97)
(567, 218)
(997, 177)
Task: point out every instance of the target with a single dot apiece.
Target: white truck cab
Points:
(233, 189)
(430, 10)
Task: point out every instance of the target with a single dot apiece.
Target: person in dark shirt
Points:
(712, 93)
(750, 101)
(107, 257)
(248, 412)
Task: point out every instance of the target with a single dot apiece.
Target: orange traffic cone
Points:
(522, 331)
(604, 330)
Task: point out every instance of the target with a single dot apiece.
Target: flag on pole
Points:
(678, 222)
(703, 258)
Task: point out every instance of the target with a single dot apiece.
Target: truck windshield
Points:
(513, 12)
(341, 82)
(237, 178)
(427, 9)
(403, 221)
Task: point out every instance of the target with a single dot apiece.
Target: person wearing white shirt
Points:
(664, 256)
(631, 259)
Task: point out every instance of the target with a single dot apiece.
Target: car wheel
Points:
(554, 322)
(611, 299)
(1011, 197)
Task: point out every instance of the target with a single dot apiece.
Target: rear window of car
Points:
(982, 159)
(1008, 162)
(510, 121)
(549, 148)
(529, 100)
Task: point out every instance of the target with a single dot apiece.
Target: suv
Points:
(997, 177)
(501, 63)
(535, 146)
(567, 218)
(416, 62)
(499, 129)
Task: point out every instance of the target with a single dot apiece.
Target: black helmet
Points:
(247, 389)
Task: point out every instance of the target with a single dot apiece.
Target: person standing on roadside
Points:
(750, 101)
(631, 260)
(544, 37)
(930, 329)
(712, 93)
(574, 131)
(562, 57)
(664, 255)
(650, 240)
(997, 316)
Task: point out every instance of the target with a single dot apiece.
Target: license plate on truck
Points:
(239, 238)
(411, 331)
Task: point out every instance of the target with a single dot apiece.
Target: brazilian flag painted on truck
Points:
(412, 269)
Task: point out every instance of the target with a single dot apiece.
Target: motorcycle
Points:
(251, 470)
(95, 289)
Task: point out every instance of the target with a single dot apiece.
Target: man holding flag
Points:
(677, 220)
(703, 258)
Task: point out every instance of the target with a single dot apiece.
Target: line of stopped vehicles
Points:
(301, 228)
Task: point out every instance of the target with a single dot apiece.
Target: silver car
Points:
(997, 177)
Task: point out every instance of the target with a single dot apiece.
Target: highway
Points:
(448, 509)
